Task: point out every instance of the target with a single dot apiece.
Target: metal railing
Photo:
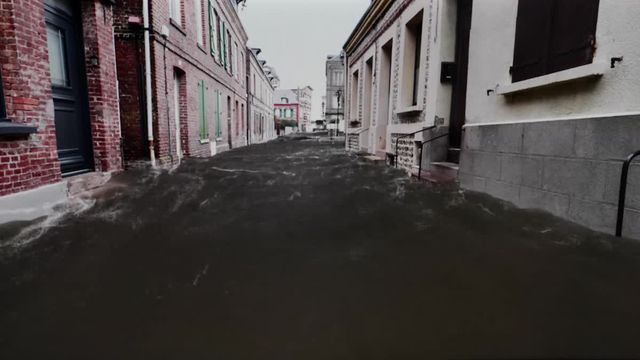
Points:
(623, 191)
(422, 152)
(395, 160)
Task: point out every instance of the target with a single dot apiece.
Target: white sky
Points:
(297, 35)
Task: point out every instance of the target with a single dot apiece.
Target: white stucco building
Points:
(538, 99)
(552, 107)
(261, 117)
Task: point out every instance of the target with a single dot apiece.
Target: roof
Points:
(285, 93)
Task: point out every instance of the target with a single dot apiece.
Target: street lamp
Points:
(339, 96)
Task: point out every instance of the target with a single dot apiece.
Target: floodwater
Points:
(296, 250)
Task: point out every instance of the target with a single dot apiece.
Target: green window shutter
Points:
(204, 131)
(224, 45)
(212, 29)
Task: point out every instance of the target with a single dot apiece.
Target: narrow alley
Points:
(294, 249)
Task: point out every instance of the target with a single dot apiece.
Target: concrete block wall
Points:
(570, 168)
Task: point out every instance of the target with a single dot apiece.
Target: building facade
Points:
(547, 126)
(195, 100)
(261, 117)
(334, 98)
(59, 114)
(395, 93)
(537, 100)
(305, 99)
(287, 111)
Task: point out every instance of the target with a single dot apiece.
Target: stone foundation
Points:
(570, 168)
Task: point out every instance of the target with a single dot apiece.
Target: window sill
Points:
(204, 141)
(410, 110)
(8, 128)
(178, 27)
(581, 72)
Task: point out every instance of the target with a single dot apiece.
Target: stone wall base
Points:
(570, 168)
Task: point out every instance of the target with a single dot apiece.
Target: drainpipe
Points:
(147, 75)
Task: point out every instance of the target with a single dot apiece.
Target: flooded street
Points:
(297, 250)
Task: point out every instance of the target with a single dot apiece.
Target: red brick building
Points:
(198, 79)
(58, 94)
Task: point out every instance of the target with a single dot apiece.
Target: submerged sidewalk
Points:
(296, 250)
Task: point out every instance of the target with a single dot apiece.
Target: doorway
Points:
(229, 137)
(69, 86)
(459, 90)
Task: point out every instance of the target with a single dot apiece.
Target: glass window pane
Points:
(57, 56)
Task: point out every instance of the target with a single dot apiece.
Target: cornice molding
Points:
(375, 11)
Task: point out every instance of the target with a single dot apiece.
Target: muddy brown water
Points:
(296, 250)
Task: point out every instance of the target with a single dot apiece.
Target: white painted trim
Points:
(410, 109)
(32, 204)
(577, 117)
(581, 72)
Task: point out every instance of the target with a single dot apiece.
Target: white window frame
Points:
(175, 11)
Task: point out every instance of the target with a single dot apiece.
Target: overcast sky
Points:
(297, 35)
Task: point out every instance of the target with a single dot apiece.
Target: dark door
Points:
(459, 93)
(69, 86)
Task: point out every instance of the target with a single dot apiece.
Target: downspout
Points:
(147, 75)
(347, 95)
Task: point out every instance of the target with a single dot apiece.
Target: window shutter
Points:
(204, 131)
(212, 29)
(574, 34)
(533, 28)
(224, 45)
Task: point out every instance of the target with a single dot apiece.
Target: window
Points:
(236, 57)
(202, 110)
(553, 35)
(57, 56)
(354, 104)
(213, 29)
(3, 108)
(176, 10)
(218, 38)
(228, 60)
(412, 55)
(284, 100)
(199, 15)
(223, 46)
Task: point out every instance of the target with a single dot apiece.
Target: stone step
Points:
(439, 173)
(374, 159)
(453, 155)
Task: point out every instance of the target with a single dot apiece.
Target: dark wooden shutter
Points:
(533, 28)
(573, 37)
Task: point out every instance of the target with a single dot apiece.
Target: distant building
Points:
(287, 111)
(334, 103)
(305, 98)
(260, 100)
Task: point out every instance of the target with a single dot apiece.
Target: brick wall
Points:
(130, 68)
(104, 113)
(180, 52)
(27, 163)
